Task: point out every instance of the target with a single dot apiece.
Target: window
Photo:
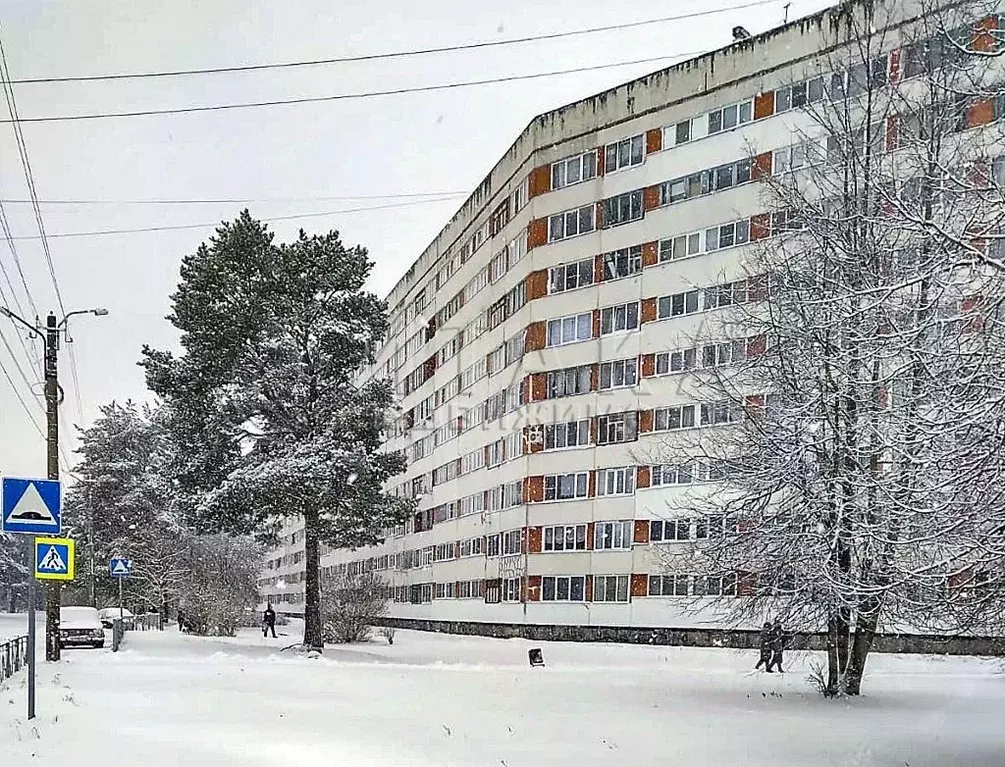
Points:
(718, 413)
(731, 116)
(726, 295)
(613, 535)
(619, 374)
(681, 246)
(724, 353)
(799, 95)
(620, 318)
(676, 362)
(668, 585)
(563, 588)
(617, 427)
(672, 418)
(620, 481)
(670, 530)
(624, 153)
(623, 208)
(667, 474)
(564, 538)
(677, 304)
(514, 347)
(622, 263)
(563, 487)
(570, 276)
(713, 585)
(569, 434)
(570, 223)
(568, 382)
(682, 132)
(728, 235)
(731, 174)
(569, 330)
(610, 588)
(510, 589)
(573, 170)
(511, 542)
(492, 545)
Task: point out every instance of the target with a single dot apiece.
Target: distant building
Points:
(541, 345)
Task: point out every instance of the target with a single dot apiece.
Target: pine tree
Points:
(263, 406)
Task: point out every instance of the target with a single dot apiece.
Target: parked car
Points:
(80, 626)
(109, 614)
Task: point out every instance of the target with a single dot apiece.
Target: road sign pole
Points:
(31, 636)
(120, 599)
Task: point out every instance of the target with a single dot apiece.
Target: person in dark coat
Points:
(778, 642)
(767, 634)
(181, 619)
(270, 621)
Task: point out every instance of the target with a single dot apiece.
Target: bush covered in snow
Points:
(349, 606)
(221, 583)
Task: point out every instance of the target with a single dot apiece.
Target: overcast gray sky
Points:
(287, 158)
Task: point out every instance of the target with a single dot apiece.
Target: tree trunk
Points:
(313, 634)
(837, 652)
(865, 632)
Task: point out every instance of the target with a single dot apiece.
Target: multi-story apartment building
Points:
(542, 345)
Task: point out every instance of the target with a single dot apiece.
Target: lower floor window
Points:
(610, 588)
(563, 588)
(511, 590)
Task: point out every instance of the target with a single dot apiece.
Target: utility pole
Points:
(50, 337)
(53, 589)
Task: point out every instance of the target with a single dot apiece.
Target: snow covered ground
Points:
(168, 699)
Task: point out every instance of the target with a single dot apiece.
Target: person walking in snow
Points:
(766, 637)
(778, 642)
(270, 621)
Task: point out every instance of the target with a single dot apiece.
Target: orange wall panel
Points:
(539, 181)
(537, 334)
(641, 531)
(654, 140)
(764, 105)
(537, 233)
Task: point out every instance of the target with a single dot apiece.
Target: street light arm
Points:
(75, 312)
(8, 313)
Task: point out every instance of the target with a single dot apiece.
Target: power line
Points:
(13, 293)
(237, 200)
(176, 227)
(21, 400)
(28, 175)
(346, 96)
(392, 54)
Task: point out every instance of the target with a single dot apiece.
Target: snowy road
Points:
(168, 699)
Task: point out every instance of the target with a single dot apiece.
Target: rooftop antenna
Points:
(786, 19)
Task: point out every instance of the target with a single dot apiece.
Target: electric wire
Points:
(392, 54)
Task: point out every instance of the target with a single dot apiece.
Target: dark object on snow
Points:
(779, 641)
(767, 635)
(269, 619)
(535, 657)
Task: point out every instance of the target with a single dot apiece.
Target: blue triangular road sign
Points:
(31, 506)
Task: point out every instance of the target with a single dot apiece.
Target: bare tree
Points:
(351, 604)
(858, 436)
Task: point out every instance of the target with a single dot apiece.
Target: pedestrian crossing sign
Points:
(54, 558)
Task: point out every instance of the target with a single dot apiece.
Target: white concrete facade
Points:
(521, 586)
